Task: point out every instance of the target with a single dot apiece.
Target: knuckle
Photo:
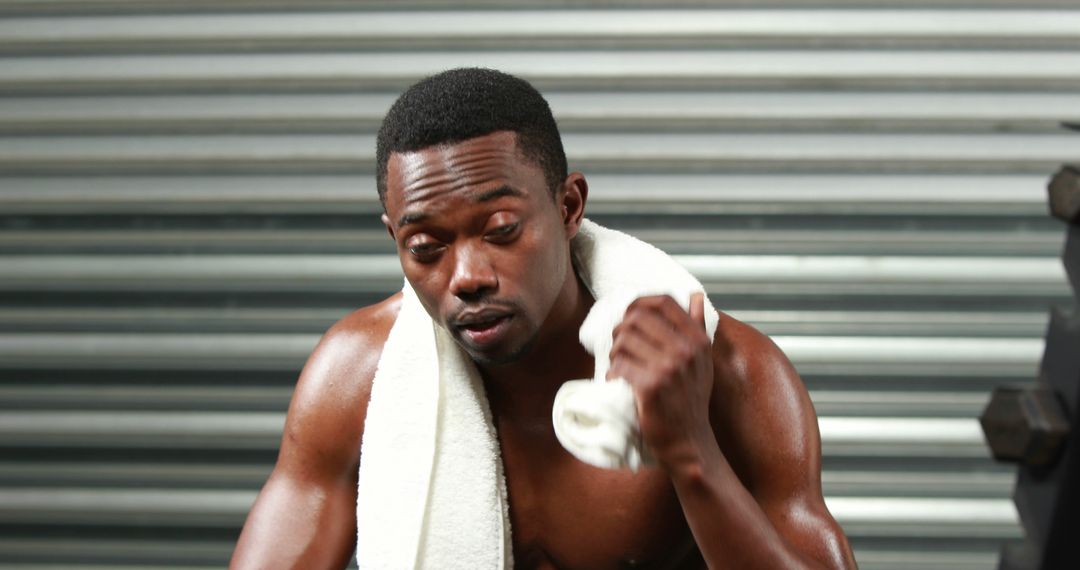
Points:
(669, 365)
(616, 349)
(646, 391)
(649, 302)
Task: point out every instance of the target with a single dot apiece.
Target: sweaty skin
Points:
(485, 245)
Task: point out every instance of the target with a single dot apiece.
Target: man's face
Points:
(480, 240)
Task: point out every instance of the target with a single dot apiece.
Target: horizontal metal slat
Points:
(905, 559)
(562, 29)
(132, 474)
(158, 430)
(860, 516)
(204, 507)
(129, 474)
(857, 356)
(910, 403)
(266, 351)
(194, 194)
(1014, 153)
(371, 273)
(70, 396)
(880, 558)
(884, 323)
(769, 111)
(919, 438)
(62, 7)
(902, 437)
(801, 275)
(114, 553)
(946, 276)
(918, 517)
(875, 558)
(807, 349)
(201, 320)
(286, 319)
(952, 195)
(890, 437)
(198, 241)
(916, 483)
(36, 565)
(887, 241)
(869, 558)
(141, 398)
(674, 69)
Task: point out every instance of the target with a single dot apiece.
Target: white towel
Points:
(595, 419)
(431, 492)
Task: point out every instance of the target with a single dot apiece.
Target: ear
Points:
(571, 202)
(389, 227)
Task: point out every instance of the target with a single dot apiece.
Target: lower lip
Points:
(489, 334)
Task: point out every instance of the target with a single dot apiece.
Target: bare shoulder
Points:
(750, 362)
(329, 406)
(767, 429)
(304, 515)
(761, 410)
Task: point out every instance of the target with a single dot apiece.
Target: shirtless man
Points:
(479, 203)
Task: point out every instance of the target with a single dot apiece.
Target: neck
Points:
(527, 387)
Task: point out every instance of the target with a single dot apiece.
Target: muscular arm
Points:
(729, 420)
(758, 503)
(305, 515)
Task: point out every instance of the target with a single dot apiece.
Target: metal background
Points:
(187, 202)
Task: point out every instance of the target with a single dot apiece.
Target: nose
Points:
(474, 276)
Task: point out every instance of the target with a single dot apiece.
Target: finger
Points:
(637, 344)
(648, 323)
(630, 355)
(683, 323)
(697, 308)
(680, 323)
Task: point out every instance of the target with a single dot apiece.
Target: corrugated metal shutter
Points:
(186, 201)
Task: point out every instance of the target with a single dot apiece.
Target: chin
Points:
(500, 356)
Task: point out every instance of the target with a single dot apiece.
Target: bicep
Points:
(768, 428)
(304, 517)
(299, 523)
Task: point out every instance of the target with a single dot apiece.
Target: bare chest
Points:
(566, 514)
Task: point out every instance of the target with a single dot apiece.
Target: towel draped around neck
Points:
(431, 491)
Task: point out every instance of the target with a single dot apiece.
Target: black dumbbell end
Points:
(1064, 190)
(1025, 424)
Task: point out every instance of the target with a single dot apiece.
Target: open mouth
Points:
(486, 330)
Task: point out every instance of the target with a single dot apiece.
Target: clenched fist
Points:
(664, 353)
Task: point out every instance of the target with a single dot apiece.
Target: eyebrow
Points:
(411, 219)
(499, 192)
(488, 196)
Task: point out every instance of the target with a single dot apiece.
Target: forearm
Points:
(730, 528)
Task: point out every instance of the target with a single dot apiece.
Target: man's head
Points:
(461, 104)
(477, 199)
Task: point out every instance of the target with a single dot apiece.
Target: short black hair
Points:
(464, 103)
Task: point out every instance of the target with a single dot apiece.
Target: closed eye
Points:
(426, 251)
(503, 232)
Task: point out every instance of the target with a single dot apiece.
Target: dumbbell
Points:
(1037, 425)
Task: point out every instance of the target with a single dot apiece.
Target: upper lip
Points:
(483, 315)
